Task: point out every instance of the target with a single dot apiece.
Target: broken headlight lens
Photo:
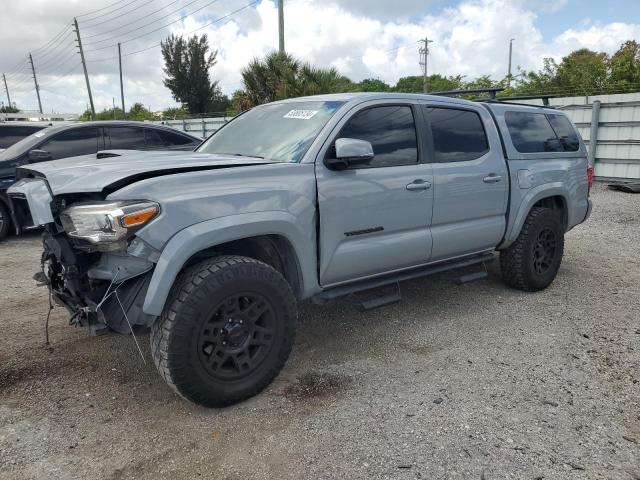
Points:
(107, 222)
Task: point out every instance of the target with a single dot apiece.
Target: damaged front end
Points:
(92, 263)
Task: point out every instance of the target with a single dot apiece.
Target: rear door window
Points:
(532, 132)
(458, 135)
(126, 138)
(71, 143)
(565, 132)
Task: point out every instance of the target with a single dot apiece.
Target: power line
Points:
(151, 31)
(53, 40)
(106, 8)
(122, 14)
(61, 77)
(136, 20)
(402, 46)
(156, 45)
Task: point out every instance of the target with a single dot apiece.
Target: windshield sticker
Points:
(301, 114)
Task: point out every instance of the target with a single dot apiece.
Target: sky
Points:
(361, 38)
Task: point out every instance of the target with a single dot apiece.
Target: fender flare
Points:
(554, 189)
(201, 236)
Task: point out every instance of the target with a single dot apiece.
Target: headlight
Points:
(107, 222)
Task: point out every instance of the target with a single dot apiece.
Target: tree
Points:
(187, 63)
(435, 83)
(584, 71)
(139, 112)
(373, 85)
(624, 66)
(8, 109)
(280, 75)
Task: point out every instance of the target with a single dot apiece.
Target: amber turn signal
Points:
(135, 219)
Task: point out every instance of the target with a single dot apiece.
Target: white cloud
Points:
(358, 37)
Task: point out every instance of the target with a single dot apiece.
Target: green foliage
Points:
(8, 109)
(174, 113)
(187, 63)
(373, 85)
(280, 75)
(625, 65)
(139, 112)
(435, 83)
(585, 72)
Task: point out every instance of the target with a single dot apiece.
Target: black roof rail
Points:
(544, 98)
(490, 90)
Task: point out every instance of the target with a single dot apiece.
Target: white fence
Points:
(617, 131)
(200, 127)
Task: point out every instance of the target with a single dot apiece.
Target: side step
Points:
(380, 300)
(342, 290)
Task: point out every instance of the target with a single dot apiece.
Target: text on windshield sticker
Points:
(301, 114)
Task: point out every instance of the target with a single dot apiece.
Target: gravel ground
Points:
(473, 381)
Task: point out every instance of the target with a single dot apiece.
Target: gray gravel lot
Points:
(473, 381)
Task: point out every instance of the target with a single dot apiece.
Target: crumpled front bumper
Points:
(31, 201)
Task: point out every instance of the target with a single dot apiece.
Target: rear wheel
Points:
(226, 332)
(5, 220)
(532, 261)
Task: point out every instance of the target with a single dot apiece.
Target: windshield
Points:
(277, 132)
(26, 144)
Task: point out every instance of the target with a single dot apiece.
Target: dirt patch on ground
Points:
(313, 385)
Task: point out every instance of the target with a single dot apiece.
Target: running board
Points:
(342, 290)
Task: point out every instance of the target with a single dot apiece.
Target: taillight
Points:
(590, 176)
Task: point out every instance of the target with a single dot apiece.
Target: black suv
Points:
(76, 139)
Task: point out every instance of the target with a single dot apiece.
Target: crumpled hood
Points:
(113, 169)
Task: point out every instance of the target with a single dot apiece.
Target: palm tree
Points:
(280, 76)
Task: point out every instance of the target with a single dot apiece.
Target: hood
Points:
(110, 170)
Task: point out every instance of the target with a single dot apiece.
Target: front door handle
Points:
(492, 178)
(418, 185)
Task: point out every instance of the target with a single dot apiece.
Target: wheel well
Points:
(556, 203)
(274, 250)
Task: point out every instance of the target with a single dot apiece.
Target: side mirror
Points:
(39, 155)
(350, 152)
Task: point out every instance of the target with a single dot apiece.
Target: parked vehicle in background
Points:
(76, 139)
(315, 197)
(13, 132)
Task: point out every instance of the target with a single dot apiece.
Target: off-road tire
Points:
(5, 221)
(176, 337)
(518, 261)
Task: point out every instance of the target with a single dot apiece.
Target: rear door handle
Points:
(418, 185)
(492, 178)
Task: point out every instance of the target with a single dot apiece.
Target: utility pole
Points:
(510, 54)
(6, 88)
(84, 66)
(124, 113)
(35, 81)
(424, 57)
(281, 25)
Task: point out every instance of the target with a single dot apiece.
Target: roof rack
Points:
(492, 91)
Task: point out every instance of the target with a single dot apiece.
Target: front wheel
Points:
(226, 332)
(532, 261)
(5, 221)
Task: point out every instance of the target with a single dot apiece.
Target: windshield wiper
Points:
(243, 155)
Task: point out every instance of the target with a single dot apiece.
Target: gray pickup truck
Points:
(308, 198)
